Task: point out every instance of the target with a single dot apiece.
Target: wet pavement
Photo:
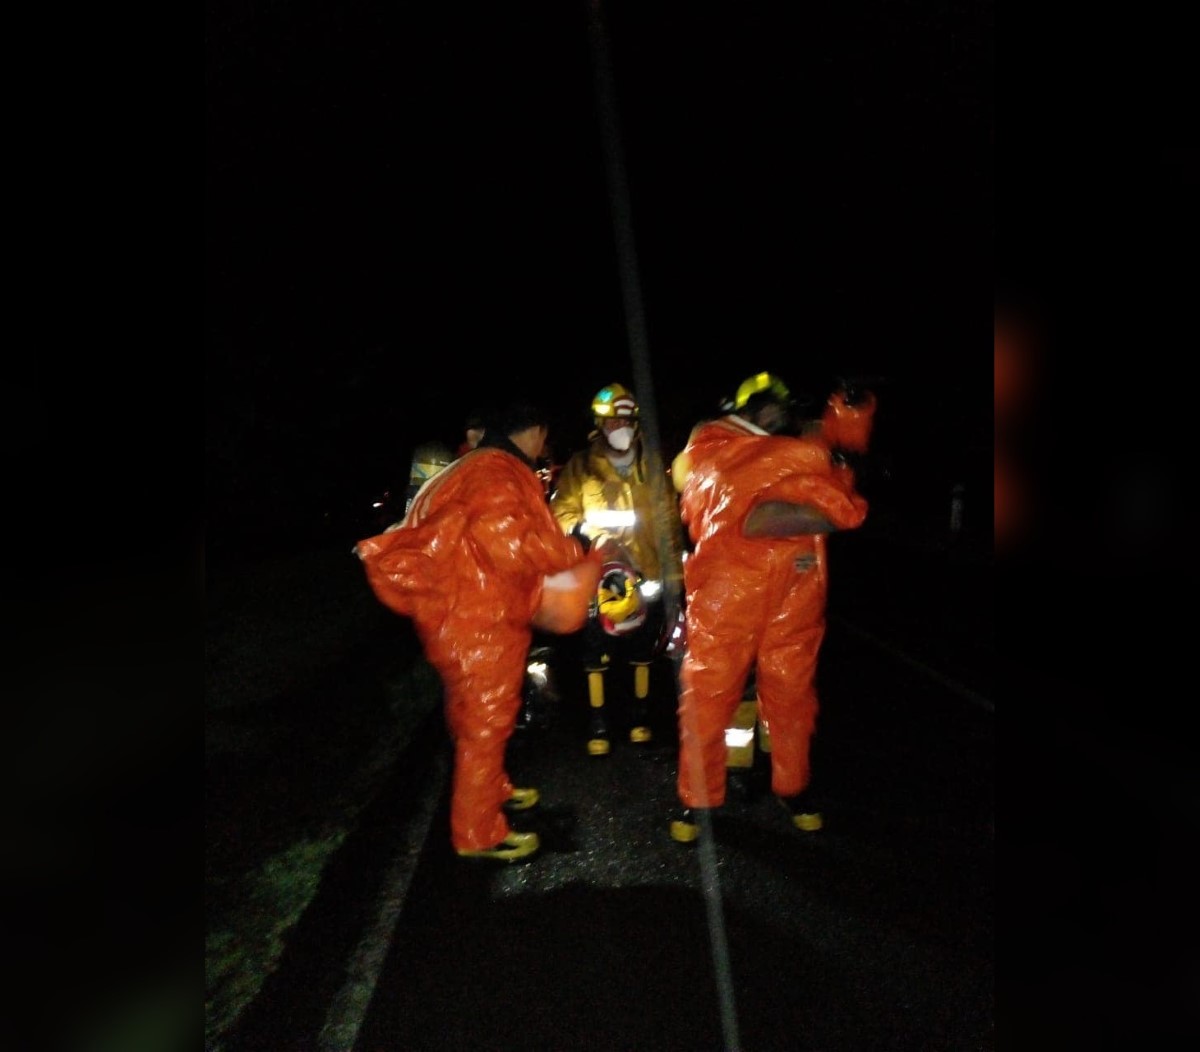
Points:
(874, 933)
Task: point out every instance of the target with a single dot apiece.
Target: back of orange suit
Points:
(753, 602)
(469, 565)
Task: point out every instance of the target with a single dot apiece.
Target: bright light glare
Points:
(650, 589)
(610, 518)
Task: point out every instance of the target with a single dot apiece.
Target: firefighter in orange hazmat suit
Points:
(757, 503)
(478, 563)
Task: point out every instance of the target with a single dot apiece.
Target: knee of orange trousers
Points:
(791, 768)
(715, 672)
(479, 789)
(787, 660)
(483, 701)
(791, 714)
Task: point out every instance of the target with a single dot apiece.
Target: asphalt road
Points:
(874, 933)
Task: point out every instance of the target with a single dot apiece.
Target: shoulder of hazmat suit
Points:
(731, 468)
(480, 545)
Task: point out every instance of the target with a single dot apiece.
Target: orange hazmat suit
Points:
(753, 601)
(476, 562)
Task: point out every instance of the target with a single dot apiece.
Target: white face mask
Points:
(620, 438)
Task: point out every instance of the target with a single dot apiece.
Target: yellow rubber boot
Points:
(598, 743)
(640, 731)
(522, 798)
(512, 848)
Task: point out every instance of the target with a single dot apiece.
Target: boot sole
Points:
(522, 803)
(504, 851)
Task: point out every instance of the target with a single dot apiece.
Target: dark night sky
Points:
(407, 215)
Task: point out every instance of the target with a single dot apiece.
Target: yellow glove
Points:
(617, 604)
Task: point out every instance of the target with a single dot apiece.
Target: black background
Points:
(409, 215)
(153, 390)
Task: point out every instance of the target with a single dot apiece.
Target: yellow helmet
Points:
(757, 384)
(614, 400)
(619, 605)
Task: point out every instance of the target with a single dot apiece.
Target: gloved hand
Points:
(618, 598)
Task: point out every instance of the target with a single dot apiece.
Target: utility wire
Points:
(631, 296)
